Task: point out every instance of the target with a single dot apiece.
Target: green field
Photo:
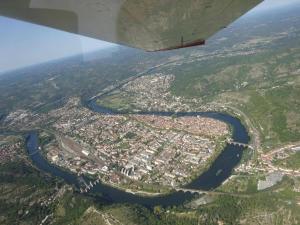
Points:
(291, 162)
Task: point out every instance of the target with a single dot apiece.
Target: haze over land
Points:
(250, 70)
(45, 44)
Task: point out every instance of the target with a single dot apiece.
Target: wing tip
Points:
(198, 42)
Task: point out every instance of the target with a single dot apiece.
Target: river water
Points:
(219, 171)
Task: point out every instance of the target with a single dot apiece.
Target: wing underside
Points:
(151, 25)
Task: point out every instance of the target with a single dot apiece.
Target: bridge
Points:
(196, 191)
(36, 151)
(192, 191)
(239, 144)
(89, 186)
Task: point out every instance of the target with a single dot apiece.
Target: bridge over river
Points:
(196, 191)
(231, 142)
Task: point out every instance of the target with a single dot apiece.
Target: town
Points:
(10, 148)
(151, 93)
(129, 150)
(145, 148)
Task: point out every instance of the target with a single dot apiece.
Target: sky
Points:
(268, 5)
(23, 44)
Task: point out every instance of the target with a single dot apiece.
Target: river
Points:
(219, 171)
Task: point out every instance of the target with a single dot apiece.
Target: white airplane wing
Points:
(152, 25)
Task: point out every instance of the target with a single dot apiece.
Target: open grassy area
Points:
(116, 101)
(71, 208)
(291, 162)
(22, 190)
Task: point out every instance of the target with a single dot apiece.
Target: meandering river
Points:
(219, 171)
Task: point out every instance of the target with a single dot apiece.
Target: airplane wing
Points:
(152, 25)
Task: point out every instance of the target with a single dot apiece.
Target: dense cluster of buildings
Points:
(147, 148)
(152, 93)
(9, 150)
(194, 125)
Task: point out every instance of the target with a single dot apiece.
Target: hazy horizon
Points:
(46, 44)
